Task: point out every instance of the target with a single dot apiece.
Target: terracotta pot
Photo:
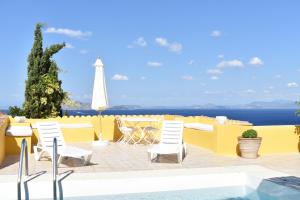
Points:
(249, 146)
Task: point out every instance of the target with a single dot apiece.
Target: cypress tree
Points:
(43, 93)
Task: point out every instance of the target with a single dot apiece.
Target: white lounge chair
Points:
(171, 141)
(47, 131)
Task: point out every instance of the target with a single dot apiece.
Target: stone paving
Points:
(122, 157)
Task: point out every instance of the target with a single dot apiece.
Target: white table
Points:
(145, 131)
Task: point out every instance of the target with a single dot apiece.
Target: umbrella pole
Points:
(100, 132)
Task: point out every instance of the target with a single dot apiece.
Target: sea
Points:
(254, 116)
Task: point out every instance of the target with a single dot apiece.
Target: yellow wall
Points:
(226, 137)
(3, 125)
(199, 138)
(222, 140)
(106, 125)
(13, 144)
(278, 139)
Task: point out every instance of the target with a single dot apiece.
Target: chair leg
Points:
(184, 151)
(121, 138)
(131, 138)
(126, 139)
(157, 157)
(179, 157)
(87, 159)
(59, 160)
(150, 157)
(37, 154)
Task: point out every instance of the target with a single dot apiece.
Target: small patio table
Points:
(143, 133)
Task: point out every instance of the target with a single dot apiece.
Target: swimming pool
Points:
(220, 183)
(224, 193)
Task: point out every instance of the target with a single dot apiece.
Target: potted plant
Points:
(249, 144)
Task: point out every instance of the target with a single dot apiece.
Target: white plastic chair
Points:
(127, 132)
(47, 131)
(171, 141)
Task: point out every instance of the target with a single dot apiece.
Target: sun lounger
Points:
(47, 131)
(171, 141)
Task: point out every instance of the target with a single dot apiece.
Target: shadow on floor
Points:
(10, 160)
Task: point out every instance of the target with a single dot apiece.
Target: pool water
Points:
(224, 193)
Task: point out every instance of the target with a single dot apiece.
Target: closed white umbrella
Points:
(100, 100)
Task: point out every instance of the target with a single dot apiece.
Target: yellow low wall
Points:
(222, 140)
(3, 125)
(199, 138)
(13, 144)
(278, 139)
(105, 125)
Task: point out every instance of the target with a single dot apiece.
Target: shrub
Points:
(15, 111)
(251, 133)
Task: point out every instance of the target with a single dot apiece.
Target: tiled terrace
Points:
(121, 157)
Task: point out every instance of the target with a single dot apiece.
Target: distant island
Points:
(276, 104)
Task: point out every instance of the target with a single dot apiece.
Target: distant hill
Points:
(277, 104)
(87, 106)
(125, 107)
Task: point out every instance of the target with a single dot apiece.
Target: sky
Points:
(159, 53)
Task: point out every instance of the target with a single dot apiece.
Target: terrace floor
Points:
(120, 157)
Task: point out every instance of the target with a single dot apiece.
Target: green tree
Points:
(43, 93)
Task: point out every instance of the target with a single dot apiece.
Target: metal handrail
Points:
(54, 168)
(23, 148)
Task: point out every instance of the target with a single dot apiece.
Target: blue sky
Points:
(169, 53)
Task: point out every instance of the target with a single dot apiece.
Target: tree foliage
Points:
(43, 93)
(15, 111)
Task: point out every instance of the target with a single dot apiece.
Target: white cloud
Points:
(221, 56)
(277, 76)
(162, 42)
(249, 91)
(256, 61)
(191, 62)
(69, 46)
(292, 85)
(69, 32)
(230, 64)
(214, 78)
(139, 42)
(154, 64)
(119, 77)
(214, 71)
(174, 46)
(215, 33)
(143, 78)
(83, 51)
(187, 77)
